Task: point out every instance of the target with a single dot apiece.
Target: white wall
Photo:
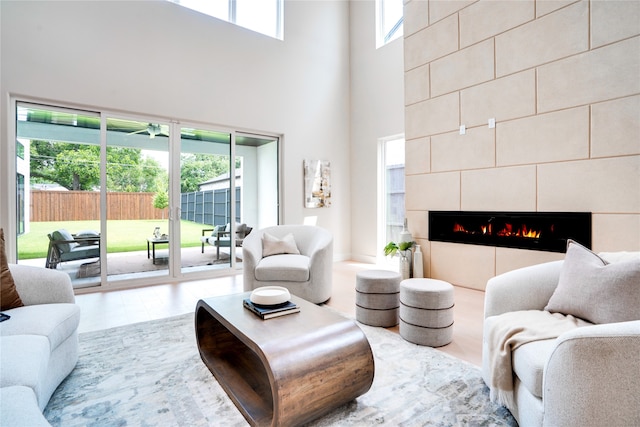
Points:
(377, 111)
(159, 59)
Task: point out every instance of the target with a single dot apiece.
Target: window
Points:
(391, 190)
(262, 16)
(389, 19)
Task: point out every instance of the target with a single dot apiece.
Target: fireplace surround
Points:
(541, 231)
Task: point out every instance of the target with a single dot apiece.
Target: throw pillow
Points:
(271, 245)
(594, 290)
(9, 297)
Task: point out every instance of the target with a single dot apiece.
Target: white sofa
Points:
(588, 376)
(38, 344)
(307, 275)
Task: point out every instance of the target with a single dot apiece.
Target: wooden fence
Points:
(85, 205)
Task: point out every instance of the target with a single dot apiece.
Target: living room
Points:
(558, 78)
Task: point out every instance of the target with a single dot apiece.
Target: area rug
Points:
(151, 374)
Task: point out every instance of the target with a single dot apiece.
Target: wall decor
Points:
(317, 183)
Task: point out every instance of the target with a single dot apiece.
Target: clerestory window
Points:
(389, 21)
(262, 16)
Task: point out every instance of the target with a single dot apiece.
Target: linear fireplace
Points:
(542, 231)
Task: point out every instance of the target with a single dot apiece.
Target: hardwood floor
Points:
(102, 310)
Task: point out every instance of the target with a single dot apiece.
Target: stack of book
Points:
(271, 311)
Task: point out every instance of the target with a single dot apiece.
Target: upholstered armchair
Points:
(297, 257)
(589, 375)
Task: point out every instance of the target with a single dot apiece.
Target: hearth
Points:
(541, 231)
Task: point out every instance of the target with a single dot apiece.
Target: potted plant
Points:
(403, 248)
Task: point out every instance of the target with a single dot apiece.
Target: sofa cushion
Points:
(9, 297)
(528, 363)
(594, 290)
(20, 408)
(63, 234)
(87, 234)
(272, 245)
(23, 361)
(81, 252)
(287, 268)
(55, 322)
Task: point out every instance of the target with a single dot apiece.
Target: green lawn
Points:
(122, 236)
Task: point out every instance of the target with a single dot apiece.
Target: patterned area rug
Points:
(151, 374)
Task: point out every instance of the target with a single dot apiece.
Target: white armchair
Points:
(307, 275)
(588, 376)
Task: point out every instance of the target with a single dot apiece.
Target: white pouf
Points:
(426, 311)
(377, 297)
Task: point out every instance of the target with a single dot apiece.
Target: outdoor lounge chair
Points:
(63, 246)
(221, 236)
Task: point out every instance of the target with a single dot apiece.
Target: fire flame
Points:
(507, 230)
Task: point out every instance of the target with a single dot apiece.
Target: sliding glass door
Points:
(58, 197)
(138, 198)
(205, 199)
(226, 199)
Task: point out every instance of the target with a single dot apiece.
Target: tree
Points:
(198, 168)
(161, 201)
(128, 171)
(77, 167)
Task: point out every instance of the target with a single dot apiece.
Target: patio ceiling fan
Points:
(153, 129)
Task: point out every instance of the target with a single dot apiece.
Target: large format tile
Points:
(546, 39)
(485, 19)
(608, 185)
(598, 75)
(473, 150)
(613, 20)
(451, 73)
(552, 137)
(503, 99)
(501, 189)
(615, 127)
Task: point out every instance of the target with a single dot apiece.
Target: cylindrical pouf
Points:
(426, 311)
(377, 297)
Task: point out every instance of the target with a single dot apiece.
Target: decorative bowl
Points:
(270, 295)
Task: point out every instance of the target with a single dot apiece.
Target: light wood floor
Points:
(102, 310)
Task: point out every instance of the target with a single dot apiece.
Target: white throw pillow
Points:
(594, 290)
(271, 245)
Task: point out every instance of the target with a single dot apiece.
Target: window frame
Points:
(232, 14)
(384, 37)
(384, 236)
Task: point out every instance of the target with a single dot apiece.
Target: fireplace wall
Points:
(564, 93)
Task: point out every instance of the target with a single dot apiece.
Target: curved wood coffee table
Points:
(287, 370)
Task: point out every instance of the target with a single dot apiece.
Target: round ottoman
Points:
(426, 311)
(377, 299)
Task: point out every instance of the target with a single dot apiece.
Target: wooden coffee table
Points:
(287, 370)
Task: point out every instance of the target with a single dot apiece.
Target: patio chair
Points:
(220, 236)
(63, 246)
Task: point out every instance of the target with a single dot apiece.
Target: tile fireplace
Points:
(541, 231)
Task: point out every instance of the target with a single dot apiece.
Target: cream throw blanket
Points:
(511, 330)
